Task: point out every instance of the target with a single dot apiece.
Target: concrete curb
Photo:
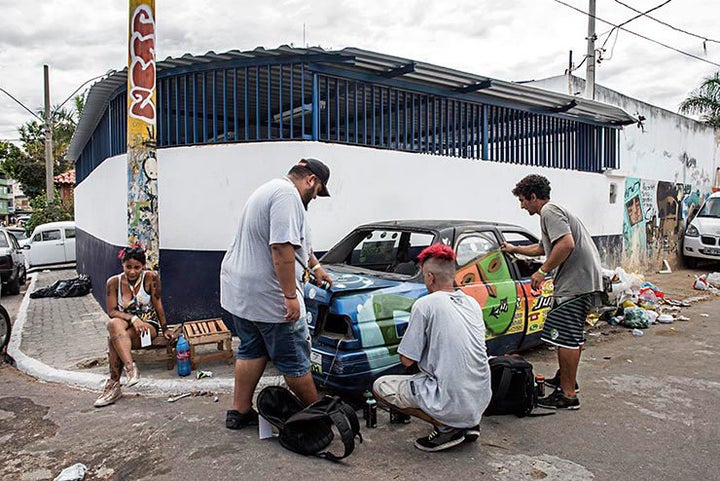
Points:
(95, 382)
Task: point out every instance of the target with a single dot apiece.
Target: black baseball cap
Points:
(321, 171)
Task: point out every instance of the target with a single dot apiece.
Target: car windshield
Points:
(381, 250)
(711, 208)
(19, 234)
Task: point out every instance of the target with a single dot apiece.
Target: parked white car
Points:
(702, 235)
(52, 243)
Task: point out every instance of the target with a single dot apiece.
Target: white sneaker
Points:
(132, 373)
(110, 394)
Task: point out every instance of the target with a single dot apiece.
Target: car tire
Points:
(22, 275)
(690, 262)
(13, 286)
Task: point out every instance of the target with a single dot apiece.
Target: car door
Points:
(69, 244)
(17, 254)
(47, 247)
(482, 272)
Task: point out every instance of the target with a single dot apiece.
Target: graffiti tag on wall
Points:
(142, 213)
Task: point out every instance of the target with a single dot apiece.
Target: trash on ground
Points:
(202, 374)
(607, 357)
(179, 397)
(695, 299)
(666, 268)
(682, 318)
(700, 283)
(704, 315)
(636, 317)
(76, 472)
(75, 287)
(714, 279)
(216, 399)
(637, 332)
(665, 319)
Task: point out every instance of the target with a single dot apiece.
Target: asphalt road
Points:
(649, 412)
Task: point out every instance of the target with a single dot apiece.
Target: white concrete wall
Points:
(202, 190)
(665, 147)
(101, 201)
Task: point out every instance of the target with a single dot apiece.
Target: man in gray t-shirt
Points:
(261, 286)
(572, 255)
(446, 339)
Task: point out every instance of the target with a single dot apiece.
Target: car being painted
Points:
(702, 235)
(357, 324)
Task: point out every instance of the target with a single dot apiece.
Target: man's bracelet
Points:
(542, 271)
(315, 267)
(133, 320)
(290, 297)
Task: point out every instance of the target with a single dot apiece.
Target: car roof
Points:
(62, 223)
(436, 224)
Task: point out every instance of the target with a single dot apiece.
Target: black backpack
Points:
(513, 387)
(308, 430)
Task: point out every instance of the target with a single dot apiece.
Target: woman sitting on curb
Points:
(133, 303)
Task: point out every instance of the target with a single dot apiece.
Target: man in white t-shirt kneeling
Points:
(446, 339)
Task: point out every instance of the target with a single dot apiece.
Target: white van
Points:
(52, 243)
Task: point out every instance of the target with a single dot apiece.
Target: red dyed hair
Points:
(437, 251)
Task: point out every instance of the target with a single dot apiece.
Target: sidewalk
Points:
(64, 340)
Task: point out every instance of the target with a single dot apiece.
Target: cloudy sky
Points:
(511, 40)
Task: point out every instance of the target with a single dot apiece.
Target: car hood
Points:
(349, 280)
(707, 225)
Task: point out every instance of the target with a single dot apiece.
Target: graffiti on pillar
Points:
(142, 215)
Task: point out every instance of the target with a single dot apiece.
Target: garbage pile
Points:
(636, 304)
(708, 282)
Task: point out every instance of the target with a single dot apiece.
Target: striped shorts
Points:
(564, 324)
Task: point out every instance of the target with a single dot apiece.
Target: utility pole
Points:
(590, 71)
(49, 187)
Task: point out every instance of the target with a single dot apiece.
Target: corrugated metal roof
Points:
(484, 89)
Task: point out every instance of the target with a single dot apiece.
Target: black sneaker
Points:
(237, 420)
(472, 434)
(438, 441)
(554, 382)
(558, 400)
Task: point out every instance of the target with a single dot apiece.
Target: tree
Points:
(705, 101)
(26, 164)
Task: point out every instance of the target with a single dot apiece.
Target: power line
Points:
(639, 35)
(631, 19)
(701, 37)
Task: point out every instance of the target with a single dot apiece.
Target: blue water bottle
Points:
(183, 356)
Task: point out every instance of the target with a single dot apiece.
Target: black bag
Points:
(513, 387)
(75, 287)
(308, 430)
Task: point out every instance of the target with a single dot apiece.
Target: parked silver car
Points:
(12, 263)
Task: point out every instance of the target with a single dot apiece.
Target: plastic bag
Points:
(76, 287)
(635, 317)
(700, 283)
(714, 279)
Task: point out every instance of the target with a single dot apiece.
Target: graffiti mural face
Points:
(357, 325)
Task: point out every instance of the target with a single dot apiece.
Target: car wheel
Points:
(13, 286)
(22, 276)
(690, 262)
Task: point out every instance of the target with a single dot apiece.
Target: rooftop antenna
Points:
(304, 44)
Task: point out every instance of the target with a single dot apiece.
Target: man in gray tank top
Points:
(575, 263)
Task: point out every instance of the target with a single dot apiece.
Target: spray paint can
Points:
(370, 410)
(540, 385)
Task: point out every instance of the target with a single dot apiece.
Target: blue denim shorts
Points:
(287, 344)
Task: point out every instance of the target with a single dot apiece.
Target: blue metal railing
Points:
(293, 101)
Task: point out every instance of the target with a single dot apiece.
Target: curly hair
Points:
(533, 184)
(440, 252)
(133, 252)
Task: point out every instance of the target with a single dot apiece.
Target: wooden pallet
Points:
(208, 331)
(160, 350)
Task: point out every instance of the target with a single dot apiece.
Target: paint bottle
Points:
(370, 410)
(540, 385)
(182, 350)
